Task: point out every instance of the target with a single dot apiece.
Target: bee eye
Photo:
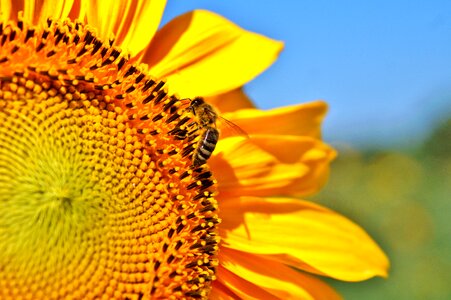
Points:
(197, 101)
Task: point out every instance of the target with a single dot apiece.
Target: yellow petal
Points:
(203, 54)
(270, 165)
(6, 11)
(274, 277)
(301, 233)
(300, 119)
(133, 23)
(308, 152)
(35, 11)
(242, 168)
(54, 9)
(221, 292)
(242, 288)
(230, 101)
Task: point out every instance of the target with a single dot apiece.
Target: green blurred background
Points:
(402, 198)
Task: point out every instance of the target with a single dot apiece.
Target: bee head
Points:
(196, 102)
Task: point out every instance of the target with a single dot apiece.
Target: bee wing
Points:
(232, 127)
(211, 113)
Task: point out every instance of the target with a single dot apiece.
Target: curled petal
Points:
(274, 277)
(308, 152)
(203, 54)
(303, 235)
(270, 165)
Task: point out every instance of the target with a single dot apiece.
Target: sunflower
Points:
(99, 194)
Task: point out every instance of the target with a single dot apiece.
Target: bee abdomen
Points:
(206, 146)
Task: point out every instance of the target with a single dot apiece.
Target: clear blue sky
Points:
(383, 66)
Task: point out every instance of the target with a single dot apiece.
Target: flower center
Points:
(98, 192)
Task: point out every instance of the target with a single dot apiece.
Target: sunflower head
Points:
(99, 195)
(106, 176)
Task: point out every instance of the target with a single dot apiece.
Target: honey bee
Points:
(206, 120)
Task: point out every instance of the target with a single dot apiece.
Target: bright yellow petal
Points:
(203, 54)
(298, 233)
(5, 10)
(230, 101)
(35, 11)
(54, 9)
(308, 152)
(270, 165)
(300, 119)
(28, 10)
(133, 23)
(242, 168)
(243, 288)
(274, 277)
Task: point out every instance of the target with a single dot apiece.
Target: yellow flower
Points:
(99, 196)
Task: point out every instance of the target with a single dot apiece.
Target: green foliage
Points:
(438, 145)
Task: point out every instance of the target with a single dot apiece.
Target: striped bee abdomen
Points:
(206, 146)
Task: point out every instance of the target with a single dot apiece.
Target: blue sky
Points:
(384, 67)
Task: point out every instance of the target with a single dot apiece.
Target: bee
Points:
(206, 121)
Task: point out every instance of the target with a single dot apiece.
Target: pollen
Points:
(98, 193)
